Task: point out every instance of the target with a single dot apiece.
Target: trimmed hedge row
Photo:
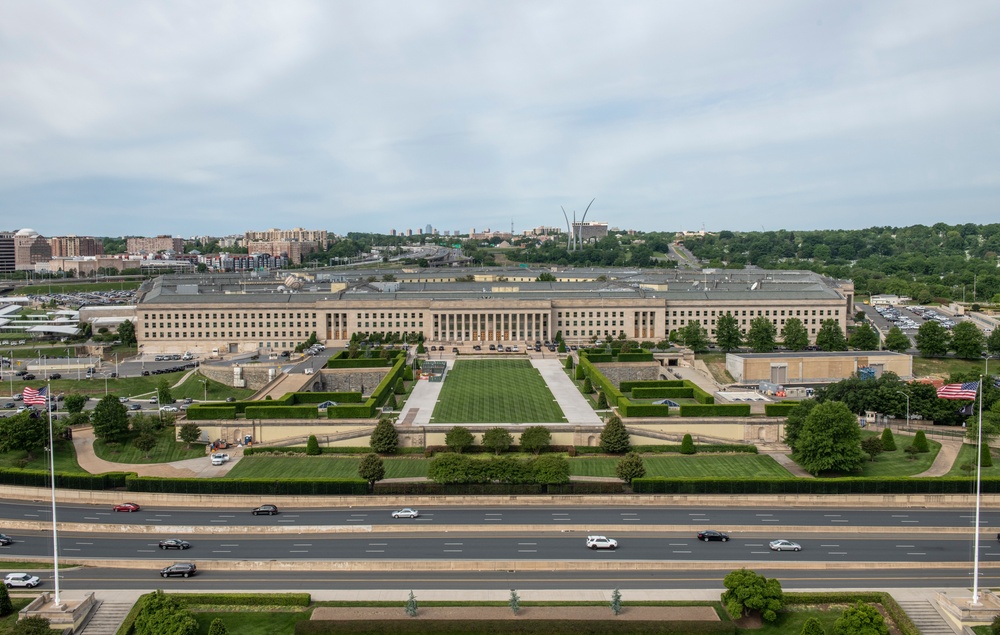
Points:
(629, 386)
(272, 487)
(700, 395)
(520, 625)
(629, 409)
(263, 411)
(813, 486)
(243, 599)
(301, 449)
(64, 480)
(600, 358)
(202, 412)
(707, 448)
(638, 356)
(600, 382)
(780, 409)
(320, 397)
(662, 393)
(715, 410)
(128, 624)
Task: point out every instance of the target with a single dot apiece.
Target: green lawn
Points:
(968, 455)
(321, 467)
(944, 366)
(791, 620)
(496, 391)
(165, 451)
(72, 287)
(682, 466)
(278, 622)
(898, 463)
(65, 459)
(195, 389)
(136, 386)
(7, 623)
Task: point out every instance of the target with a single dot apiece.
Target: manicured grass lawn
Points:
(681, 466)
(968, 455)
(790, 621)
(898, 463)
(165, 451)
(72, 287)
(65, 459)
(321, 467)
(253, 623)
(496, 391)
(195, 389)
(7, 623)
(118, 386)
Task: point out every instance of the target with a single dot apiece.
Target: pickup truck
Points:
(219, 458)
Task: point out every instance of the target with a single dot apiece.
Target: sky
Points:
(217, 117)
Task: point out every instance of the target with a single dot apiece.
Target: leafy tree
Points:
(23, 432)
(897, 341)
(864, 338)
(126, 332)
(794, 335)
(694, 336)
(860, 619)
(218, 627)
(372, 469)
(985, 456)
(384, 439)
(145, 443)
(312, 446)
(614, 437)
(830, 337)
(498, 440)
(550, 468)
(110, 420)
(796, 420)
(74, 402)
(189, 433)
(163, 393)
(458, 438)
(534, 439)
(888, 441)
(812, 627)
(588, 387)
(872, 446)
(602, 401)
(163, 615)
(747, 591)
(616, 602)
(932, 339)
(920, 442)
(727, 333)
(34, 625)
(995, 625)
(630, 467)
(6, 606)
(967, 340)
(993, 342)
(830, 440)
(687, 445)
(761, 338)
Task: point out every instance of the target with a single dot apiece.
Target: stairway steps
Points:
(108, 617)
(927, 618)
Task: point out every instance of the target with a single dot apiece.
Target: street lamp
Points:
(205, 382)
(907, 407)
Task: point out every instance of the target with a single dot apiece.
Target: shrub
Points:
(6, 606)
(888, 441)
(813, 627)
(920, 442)
(498, 440)
(985, 457)
(569, 363)
(371, 469)
(535, 439)
(748, 591)
(995, 625)
(872, 446)
(384, 439)
(411, 605)
(860, 619)
(458, 438)
(34, 625)
(614, 437)
(630, 467)
(602, 401)
(687, 445)
(218, 627)
(616, 602)
(312, 446)
(588, 387)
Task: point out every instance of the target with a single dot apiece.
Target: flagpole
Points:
(52, 474)
(979, 468)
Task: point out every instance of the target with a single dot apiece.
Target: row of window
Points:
(229, 316)
(215, 325)
(382, 316)
(295, 335)
(758, 312)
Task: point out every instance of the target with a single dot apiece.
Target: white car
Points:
(219, 458)
(601, 542)
(168, 408)
(406, 513)
(21, 579)
(123, 400)
(784, 545)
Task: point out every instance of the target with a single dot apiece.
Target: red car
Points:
(126, 507)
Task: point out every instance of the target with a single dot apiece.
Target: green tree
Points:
(630, 467)
(794, 335)
(498, 440)
(126, 332)
(588, 387)
(694, 336)
(967, 340)
(110, 420)
(74, 402)
(189, 433)
(872, 446)
(985, 456)
(993, 342)
(860, 619)
(514, 602)
(312, 446)
(400, 388)
(727, 333)
(762, 335)
(384, 439)
(813, 627)
(163, 393)
(6, 606)
(888, 441)
(34, 625)
(371, 469)
(145, 443)
(687, 445)
(602, 401)
(796, 420)
(897, 341)
(458, 438)
(920, 442)
(830, 440)
(569, 363)
(747, 592)
(411, 605)
(614, 437)
(830, 337)
(616, 602)
(163, 615)
(864, 338)
(534, 439)
(23, 432)
(932, 339)
(550, 468)
(218, 627)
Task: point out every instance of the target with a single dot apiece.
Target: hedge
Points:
(243, 599)
(715, 410)
(430, 488)
(629, 386)
(128, 623)
(202, 412)
(629, 409)
(599, 358)
(272, 487)
(662, 393)
(301, 449)
(64, 480)
(700, 395)
(265, 411)
(638, 356)
(949, 485)
(360, 411)
(780, 409)
(320, 397)
(707, 448)
(520, 625)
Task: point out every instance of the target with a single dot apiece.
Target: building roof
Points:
(786, 354)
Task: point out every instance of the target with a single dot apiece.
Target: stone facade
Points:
(630, 371)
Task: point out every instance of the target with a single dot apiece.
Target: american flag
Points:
(964, 391)
(34, 397)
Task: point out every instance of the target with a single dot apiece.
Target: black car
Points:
(230, 399)
(174, 543)
(6, 540)
(9, 404)
(183, 569)
(55, 376)
(145, 373)
(28, 377)
(270, 510)
(21, 373)
(711, 534)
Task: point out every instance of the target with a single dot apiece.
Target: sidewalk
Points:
(83, 442)
(945, 459)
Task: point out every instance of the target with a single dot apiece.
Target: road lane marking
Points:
(220, 551)
(286, 521)
(304, 544)
(290, 515)
(70, 549)
(154, 520)
(378, 544)
(298, 551)
(696, 513)
(236, 545)
(84, 543)
(758, 552)
(905, 546)
(753, 544)
(836, 553)
(900, 515)
(829, 545)
(527, 550)
(146, 550)
(218, 521)
(374, 550)
(453, 544)
(453, 551)
(227, 515)
(759, 515)
(91, 518)
(831, 515)
(910, 521)
(677, 544)
(676, 551)
(839, 521)
(916, 553)
(32, 515)
(527, 544)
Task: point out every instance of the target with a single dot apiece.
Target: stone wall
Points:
(630, 371)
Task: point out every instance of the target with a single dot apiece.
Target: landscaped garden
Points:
(496, 391)
(339, 467)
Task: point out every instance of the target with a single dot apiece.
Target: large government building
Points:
(234, 313)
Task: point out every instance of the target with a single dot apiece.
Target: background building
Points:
(30, 248)
(71, 246)
(318, 236)
(141, 245)
(7, 261)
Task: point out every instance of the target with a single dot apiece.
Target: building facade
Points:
(318, 236)
(7, 259)
(72, 246)
(29, 249)
(142, 245)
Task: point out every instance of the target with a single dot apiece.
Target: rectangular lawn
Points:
(278, 467)
(496, 391)
(733, 466)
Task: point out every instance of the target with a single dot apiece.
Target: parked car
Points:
(6, 540)
(601, 542)
(28, 377)
(183, 569)
(21, 580)
(784, 545)
(174, 543)
(126, 507)
(135, 406)
(55, 376)
(270, 510)
(219, 458)
(711, 534)
(230, 399)
(145, 373)
(406, 512)
(168, 408)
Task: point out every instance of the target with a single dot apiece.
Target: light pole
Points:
(105, 384)
(205, 382)
(907, 407)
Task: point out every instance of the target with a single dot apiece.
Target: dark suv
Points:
(183, 569)
(270, 510)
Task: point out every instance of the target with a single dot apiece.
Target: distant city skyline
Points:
(137, 119)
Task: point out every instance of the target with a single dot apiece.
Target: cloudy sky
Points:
(212, 117)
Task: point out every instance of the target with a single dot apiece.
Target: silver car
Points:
(784, 545)
(405, 513)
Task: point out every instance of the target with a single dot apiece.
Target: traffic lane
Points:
(503, 547)
(91, 579)
(695, 517)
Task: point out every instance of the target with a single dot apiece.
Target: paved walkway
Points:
(945, 458)
(83, 442)
(786, 462)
